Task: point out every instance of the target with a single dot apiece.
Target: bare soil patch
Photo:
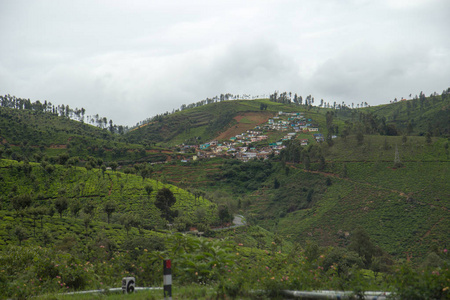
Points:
(251, 119)
(62, 146)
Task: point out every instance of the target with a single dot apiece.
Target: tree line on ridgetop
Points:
(78, 114)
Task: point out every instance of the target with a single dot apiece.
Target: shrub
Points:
(429, 283)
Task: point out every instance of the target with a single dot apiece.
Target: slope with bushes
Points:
(331, 215)
(41, 193)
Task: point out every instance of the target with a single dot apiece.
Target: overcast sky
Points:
(130, 60)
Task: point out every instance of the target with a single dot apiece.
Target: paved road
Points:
(238, 221)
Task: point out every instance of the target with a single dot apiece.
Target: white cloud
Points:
(131, 60)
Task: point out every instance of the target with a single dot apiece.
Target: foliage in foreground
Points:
(229, 269)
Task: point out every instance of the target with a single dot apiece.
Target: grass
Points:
(178, 292)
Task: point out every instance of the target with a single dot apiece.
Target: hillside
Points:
(45, 129)
(416, 116)
(221, 120)
(330, 181)
(86, 193)
(31, 135)
(403, 209)
(204, 123)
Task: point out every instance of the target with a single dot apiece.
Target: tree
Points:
(75, 207)
(361, 244)
(86, 221)
(148, 190)
(164, 201)
(345, 133)
(61, 205)
(343, 260)
(62, 158)
(201, 216)
(329, 140)
(103, 168)
(34, 212)
(182, 223)
(278, 240)
(42, 211)
(71, 162)
(51, 211)
(409, 128)
(109, 208)
(306, 162)
(224, 214)
(128, 221)
(404, 139)
(20, 233)
(89, 208)
(428, 138)
(321, 163)
(21, 202)
(310, 195)
(114, 165)
(276, 183)
(344, 171)
(385, 144)
(146, 172)
(360, 138)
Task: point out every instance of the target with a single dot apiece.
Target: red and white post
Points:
(167, 278)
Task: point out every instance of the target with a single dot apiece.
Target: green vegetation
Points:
(367, 209)
(75, 192)
(200, 124)
(220, 268)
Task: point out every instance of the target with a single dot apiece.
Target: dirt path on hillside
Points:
(432, 227)
(400, 193)
(60, 146)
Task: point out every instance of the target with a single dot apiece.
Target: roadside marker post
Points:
(128, 285)
(167, 278)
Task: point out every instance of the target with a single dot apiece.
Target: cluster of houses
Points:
(242, 146)
(295, 122)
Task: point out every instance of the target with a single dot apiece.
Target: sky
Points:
(130, 60)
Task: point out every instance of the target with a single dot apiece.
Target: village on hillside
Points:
(254, 143)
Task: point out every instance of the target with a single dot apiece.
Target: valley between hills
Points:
(333, 197)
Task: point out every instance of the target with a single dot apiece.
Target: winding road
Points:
(238, 221)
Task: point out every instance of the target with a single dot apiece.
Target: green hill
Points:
(44, 129)
(207, 122)
(203, 123)
(375, 190)
(416, 116)
(28, 187)
(404, 209)
(31, 134)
